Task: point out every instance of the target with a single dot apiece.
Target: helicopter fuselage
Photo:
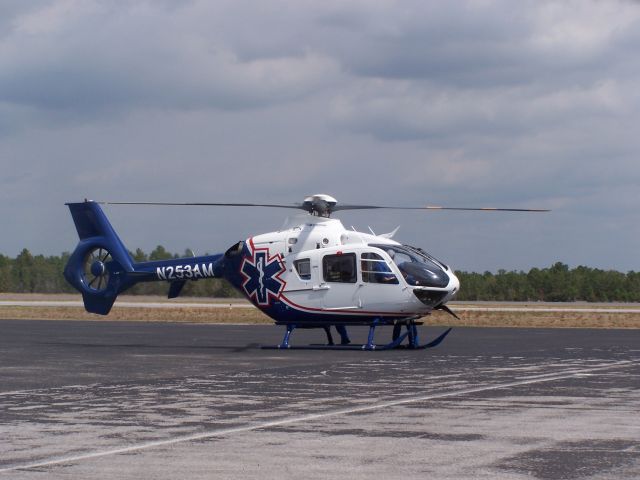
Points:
(315, 272)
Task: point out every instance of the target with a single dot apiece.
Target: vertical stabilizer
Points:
(97, 267)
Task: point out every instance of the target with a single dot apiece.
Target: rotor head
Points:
(320, 204)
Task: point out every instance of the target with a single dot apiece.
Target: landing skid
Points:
(411, 335)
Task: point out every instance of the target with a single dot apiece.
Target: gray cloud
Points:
(100, 56)
(401, 103)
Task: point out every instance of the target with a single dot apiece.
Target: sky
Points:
(479, 103)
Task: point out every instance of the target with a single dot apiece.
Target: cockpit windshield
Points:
(417, 267)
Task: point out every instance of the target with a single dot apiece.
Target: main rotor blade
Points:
(433, 207)
(201, 204)
(335, 208)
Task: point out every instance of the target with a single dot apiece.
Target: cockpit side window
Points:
(418, 268)
(339, 268)
(375, 269)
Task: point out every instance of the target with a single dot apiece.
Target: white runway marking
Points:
(546, 309)
(571, 373)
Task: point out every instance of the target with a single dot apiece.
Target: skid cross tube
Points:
(285, 340)
(370, 345)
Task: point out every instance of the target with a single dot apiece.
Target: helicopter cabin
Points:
(331, 268)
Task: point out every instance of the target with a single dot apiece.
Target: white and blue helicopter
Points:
(312, 273)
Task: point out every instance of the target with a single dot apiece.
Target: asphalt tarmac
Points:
(163, 401)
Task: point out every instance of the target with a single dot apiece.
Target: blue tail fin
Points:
(98, 266)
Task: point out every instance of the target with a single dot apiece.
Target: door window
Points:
(339, 268)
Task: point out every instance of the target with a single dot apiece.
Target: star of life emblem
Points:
(262, 276)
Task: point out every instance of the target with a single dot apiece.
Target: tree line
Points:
(557, 283)
(29, 273)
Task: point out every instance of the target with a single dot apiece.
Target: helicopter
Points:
(311, 273)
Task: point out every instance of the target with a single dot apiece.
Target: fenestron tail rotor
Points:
(95, 274)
